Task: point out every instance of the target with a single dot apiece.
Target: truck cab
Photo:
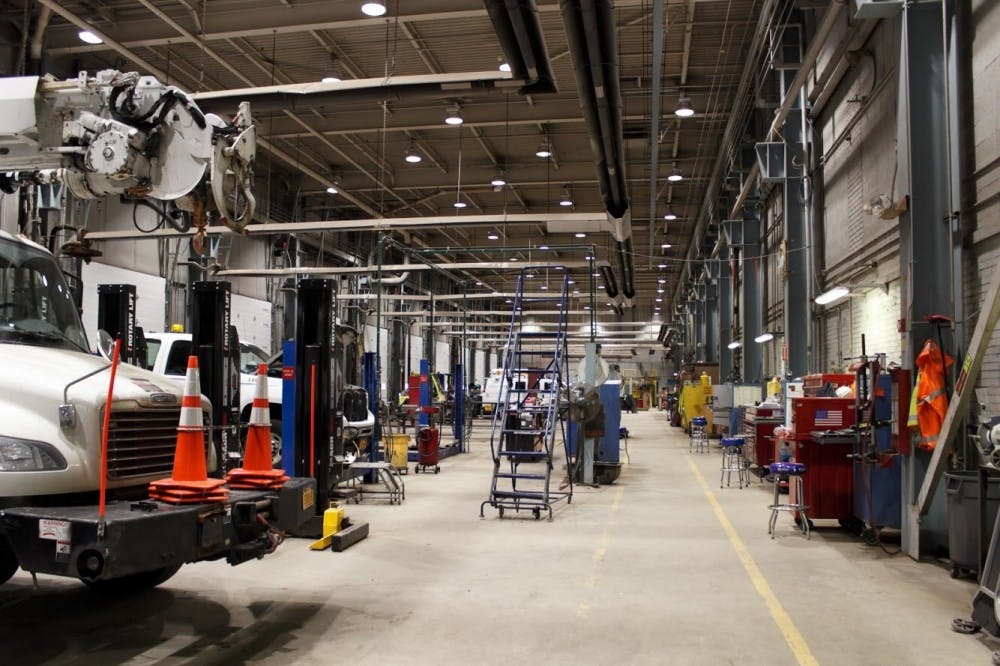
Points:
(53, 392)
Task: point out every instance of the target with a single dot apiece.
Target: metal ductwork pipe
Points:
(590, 33)
(519, 30)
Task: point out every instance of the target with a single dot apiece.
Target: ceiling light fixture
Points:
(670, 215)
(504, 66)
(580, 234)
(373, 8)
(498, 181)
(683, 109)
(411, 154)
(764, 337)
(831, 295)
(460, 204)
(545, 247)
(566, 200)
(332, 74)
(492, 235)
(89, 37)
(544, 150)
(675, 175)
(454, 116)
(332, 190)
(735, 344)
(666, 246)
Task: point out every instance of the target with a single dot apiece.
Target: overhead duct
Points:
(590, 33)
(519, 30)
(305, 96)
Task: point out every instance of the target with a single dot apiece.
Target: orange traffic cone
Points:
(257, 471)
(189, 483)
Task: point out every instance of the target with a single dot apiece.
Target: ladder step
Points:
(518, 494)
(515, 431)
(538, 455)
(509, 475)
(537, 335)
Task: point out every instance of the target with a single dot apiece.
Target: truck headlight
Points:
(22, 455)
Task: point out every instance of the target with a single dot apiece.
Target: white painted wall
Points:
(148, 303)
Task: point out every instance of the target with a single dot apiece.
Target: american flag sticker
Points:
(829, 418)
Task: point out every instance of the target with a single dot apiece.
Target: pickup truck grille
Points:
(141, 443)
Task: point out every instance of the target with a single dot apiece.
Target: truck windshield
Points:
(36, 306)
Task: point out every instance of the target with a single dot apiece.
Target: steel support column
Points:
(798, 305)
(751, 297)
(726, 332)
(925, 234)
(712, 333)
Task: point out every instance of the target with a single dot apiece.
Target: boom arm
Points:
(122, 133)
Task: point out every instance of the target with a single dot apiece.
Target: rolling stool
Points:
(699, 437)
(733, 461)
(792, 471)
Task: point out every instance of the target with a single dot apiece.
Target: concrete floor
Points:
(639, 572)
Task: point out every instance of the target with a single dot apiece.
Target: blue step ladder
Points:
(528, 418)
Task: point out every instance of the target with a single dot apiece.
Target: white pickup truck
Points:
(167, 355)
(53, 398)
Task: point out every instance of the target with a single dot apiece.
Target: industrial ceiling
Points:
(402, 73)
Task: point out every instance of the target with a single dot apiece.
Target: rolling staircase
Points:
(525, 425)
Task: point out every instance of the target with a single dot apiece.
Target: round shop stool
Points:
(734, 461)
(792, 472)
(699, 435)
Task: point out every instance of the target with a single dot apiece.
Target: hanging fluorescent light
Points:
(545, 247)
(675, 176)
(332, 190)
(670, 215)
(683, 109)
(333, 74)
(544, 150)
(411, 154)
(89, 37)
(834, 294)
(666, 246)
(764, 337)
(460, 204)
(454, 116)
(735, 344)
(565, 200)
(373, 8)
(492, 235)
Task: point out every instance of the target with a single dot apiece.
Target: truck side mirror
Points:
(105, 344)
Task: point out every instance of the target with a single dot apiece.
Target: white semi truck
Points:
(112, 133)
(53, 397)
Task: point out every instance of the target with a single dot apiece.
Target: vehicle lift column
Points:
(213, 341)
(116, 316)
(317, 435)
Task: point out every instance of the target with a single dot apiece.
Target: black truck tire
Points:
(137, 582)
(8, 563)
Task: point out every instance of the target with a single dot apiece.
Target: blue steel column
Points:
(751, 302)
(798, 306)
(712, 313)
(925, 239)
(369, 378)
(726, 335)
(701, 321)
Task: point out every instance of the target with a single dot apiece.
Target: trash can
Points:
(963, 517)
(398, 451)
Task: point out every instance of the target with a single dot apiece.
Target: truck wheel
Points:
(8, 563)
(137, 582)
(275, 443)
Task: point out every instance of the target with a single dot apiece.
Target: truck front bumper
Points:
(148, 535)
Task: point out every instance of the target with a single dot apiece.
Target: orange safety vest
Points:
(931, 399)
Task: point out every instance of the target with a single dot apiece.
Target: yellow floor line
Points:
(602, 548)
(796, 642)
